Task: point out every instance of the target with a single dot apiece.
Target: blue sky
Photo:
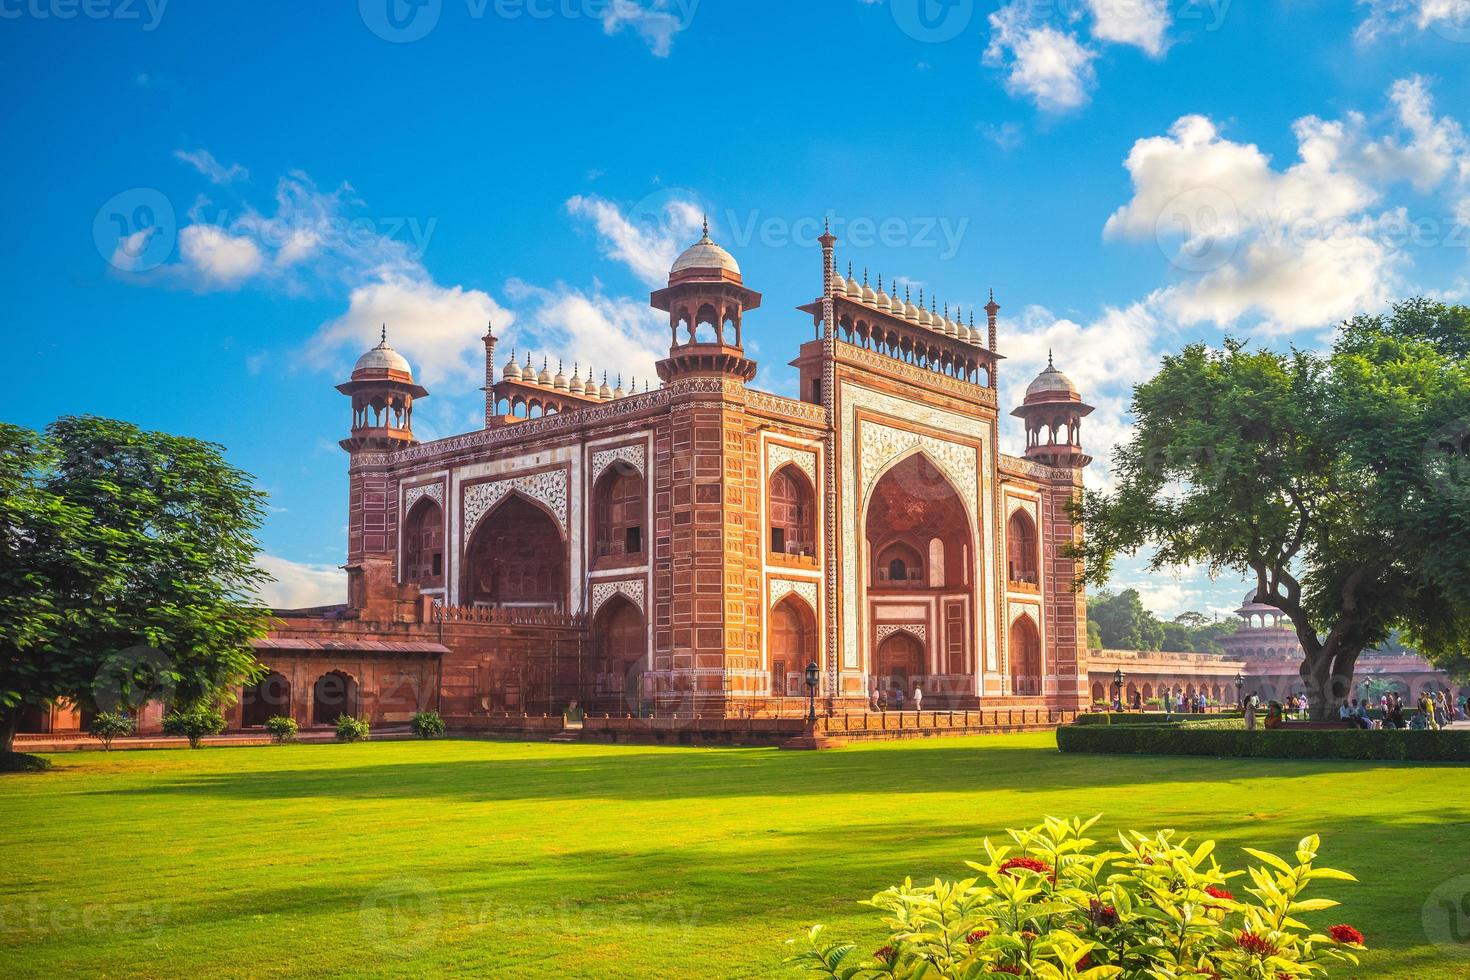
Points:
(210, 207)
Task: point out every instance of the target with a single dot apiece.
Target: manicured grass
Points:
(486, 858)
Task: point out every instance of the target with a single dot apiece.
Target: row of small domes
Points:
(905, 309)
(575, 385)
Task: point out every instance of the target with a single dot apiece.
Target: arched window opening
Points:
(423, 545)
(792, 645)
(1021, 549)
(621, 644)
(1025, 657)
(899, 565)
(792, 513)
(620, 510)
(260, 702)
(333, 695)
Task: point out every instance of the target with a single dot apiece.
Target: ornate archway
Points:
(792, 644)
(792, 512)
(618, 498)
(920, 546)
(1025, 649)
(1021, 549)
(900, 659)
(517, 558)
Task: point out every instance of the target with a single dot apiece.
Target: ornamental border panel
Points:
(549, 487)
(782, 587)
(632, 588)
(919, 631)
(634, 455)
(412, 495)
(805, 460)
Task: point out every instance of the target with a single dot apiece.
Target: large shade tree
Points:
(1338, 483)
(127, 569)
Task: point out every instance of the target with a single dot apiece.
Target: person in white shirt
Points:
(918, 698)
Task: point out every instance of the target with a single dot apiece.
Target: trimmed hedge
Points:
(1149, 718)
(1394, 745)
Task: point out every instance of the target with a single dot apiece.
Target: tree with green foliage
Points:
(1340, 483)
(1123, 623)
(128, 572)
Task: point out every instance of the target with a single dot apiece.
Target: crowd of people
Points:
(1435, 710)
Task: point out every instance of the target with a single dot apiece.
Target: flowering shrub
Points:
(1054, 904)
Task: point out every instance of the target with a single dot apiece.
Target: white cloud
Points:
(621, 336)
(654, 21)
(646, 242)
(1140, 23)
(301, 586)
(1450, 18)
(204, 162)
(218, 258)
(1051, 67)
(438, 328)
(1298, 247)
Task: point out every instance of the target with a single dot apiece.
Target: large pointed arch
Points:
(791, 643)
(516, 556)
(620, 650)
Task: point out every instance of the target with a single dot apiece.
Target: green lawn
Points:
(475, 858)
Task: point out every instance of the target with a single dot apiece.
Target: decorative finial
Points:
(1049, 365)
(921, 297)
(706, 226)
(849, 270)
(384, 338)
(905, 294)
(865, 275)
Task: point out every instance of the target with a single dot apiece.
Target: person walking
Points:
(918, 698)
(1250, 713)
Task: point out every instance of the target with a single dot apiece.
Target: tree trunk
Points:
(9, 725)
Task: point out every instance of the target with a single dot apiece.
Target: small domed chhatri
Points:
(1051, 385)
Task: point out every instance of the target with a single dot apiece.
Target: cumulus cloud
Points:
(298, 585)
(219, 258)
(1299, 246)
(1140, 23)
(204, 162)
(438, 328)
(1048, 66)
(618, 335)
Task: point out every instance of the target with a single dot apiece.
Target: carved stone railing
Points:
(497, 616)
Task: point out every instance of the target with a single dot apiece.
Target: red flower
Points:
(1100, 914)
(1014, 971)
(1029, 936)
(1255, 945)
(1214, 892)
(1086, 962)
(1346, 934)
(885, 954)
(1029, 864)
(978, 936)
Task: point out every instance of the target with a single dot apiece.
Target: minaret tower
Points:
(705, 300)
(1053, 412)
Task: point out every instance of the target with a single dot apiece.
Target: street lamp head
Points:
(812, 674)
(1118, 677)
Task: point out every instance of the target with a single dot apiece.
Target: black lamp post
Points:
(811, 692)
(1118, 685)
(1239, 688)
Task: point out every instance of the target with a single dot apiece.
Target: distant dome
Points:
(383, 358)
(705, 254)
(512, 370)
